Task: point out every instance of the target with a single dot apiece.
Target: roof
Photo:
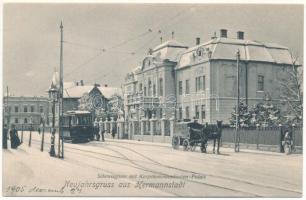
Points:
(226, 48)
(170, 50)
(74, 91)
(77, 112)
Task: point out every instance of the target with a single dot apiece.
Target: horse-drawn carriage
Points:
(192, 134)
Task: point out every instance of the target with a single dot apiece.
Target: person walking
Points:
(96, 129)
(15, 142)
(101, 128)
(4, 137)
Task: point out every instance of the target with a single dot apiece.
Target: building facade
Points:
(149, 90)
(202, 80)
(26, 110)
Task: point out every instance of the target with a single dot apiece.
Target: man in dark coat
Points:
(4, 137)
(15, 142)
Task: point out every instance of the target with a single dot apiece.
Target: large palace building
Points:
(201, 81)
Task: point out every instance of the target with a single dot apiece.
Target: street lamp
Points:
(54, 96)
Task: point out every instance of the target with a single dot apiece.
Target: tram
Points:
(77, 126)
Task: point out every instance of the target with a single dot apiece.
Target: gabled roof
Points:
(226, 48)
(77, 91)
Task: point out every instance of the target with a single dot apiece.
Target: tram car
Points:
(192, 134)
(77, 126)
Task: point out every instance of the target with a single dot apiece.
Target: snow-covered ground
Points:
(134, 168)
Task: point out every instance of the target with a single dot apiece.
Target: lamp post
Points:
(53, 95)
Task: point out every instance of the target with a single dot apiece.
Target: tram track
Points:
(135, 164)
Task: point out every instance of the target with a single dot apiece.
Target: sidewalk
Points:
(209, 148)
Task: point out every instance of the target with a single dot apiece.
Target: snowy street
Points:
(134, 168)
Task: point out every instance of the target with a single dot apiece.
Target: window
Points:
(25, 109)
(154, 90)
(187, 112)
(200, 83)
(25, 120)
(203, 83)
(150, 88)
(203, 111)
(16, 120)
(180, 113)
(32, 108)
(197, 112)
(140, 87)
(187, 87)
(180, 88)
(145, 91)
(260, 83)
(16, 109)
(161, 87)
(41, 109)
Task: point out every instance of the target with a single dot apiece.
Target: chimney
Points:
(223, 33)
(97, 85)
(240, 35)
(81, 83)
(105, 85)
(198, 40)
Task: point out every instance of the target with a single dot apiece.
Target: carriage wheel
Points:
(175, 142)
(186, 145)
(193, 146)
(203, 148)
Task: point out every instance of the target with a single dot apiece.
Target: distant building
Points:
(25, 110)
(201, 80)
(78, 96)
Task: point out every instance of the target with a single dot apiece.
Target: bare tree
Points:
(292, 92)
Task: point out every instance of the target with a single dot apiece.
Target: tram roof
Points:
(79, 112)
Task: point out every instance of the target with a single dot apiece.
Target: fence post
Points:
(257, 139)
(42, 138)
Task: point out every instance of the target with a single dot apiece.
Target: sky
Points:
(104, 42)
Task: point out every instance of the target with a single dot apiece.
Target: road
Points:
(135, 168)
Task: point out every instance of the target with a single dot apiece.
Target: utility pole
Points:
(61, 143)
(8, 108)
(237, 138)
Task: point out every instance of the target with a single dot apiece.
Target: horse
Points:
(212, 132)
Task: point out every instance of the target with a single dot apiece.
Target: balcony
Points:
(134, 99)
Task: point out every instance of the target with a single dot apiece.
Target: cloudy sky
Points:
(32, 36)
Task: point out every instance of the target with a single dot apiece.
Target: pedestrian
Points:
(113, 131)
(40, 128)
(4, 137)
(101, 128)
(96, 129)
(15, 142)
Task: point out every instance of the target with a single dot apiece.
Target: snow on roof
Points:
(74, 91)
(226, 48)
(77, 112)
(108, 92)
(168, 50)
(170, 43)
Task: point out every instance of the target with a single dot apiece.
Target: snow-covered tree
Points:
(292, 93)
(266, 114)
(244, 116)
